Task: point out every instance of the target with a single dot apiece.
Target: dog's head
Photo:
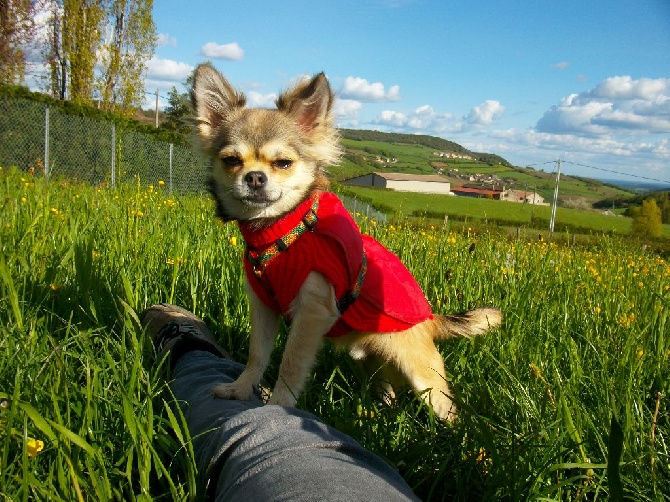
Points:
(264, 162)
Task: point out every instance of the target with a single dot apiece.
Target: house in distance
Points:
(427, 183)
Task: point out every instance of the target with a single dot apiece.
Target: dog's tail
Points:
(471, 323)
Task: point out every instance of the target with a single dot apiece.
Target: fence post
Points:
(171, 148)
(113, 155)
(46, 142)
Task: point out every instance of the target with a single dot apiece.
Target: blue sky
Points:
(586, 81)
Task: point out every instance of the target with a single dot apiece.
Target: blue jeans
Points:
(248, 452)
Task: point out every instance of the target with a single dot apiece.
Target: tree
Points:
(130, 43)
(81, 41)
(17, 29)
(647, 219)
(177, 112)
(100, 48)
(73, 48)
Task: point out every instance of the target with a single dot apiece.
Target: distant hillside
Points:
(439, 144)
(374, 151)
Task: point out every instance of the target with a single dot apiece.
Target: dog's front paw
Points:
(236, 390)
(282, 399)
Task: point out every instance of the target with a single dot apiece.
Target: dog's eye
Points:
(282, 163)
(231, 161)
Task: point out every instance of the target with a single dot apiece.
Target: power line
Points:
(617, 172)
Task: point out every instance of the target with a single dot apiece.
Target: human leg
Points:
(247, 451)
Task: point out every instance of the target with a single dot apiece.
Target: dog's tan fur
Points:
(288, 149)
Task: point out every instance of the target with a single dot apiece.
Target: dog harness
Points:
(375, 291)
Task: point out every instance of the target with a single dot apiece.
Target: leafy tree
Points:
(17, 28)
(177, 112)
(647, 219)
(82, 25)
(119, 36)
(130, 44)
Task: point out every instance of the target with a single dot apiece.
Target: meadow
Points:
(568, 400)
(481, 212)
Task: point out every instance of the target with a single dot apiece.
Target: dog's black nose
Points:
(256, 179)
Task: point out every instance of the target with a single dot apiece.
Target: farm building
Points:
(430, 183)
(477, 192)
(523, 196)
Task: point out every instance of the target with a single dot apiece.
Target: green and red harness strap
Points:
(308, 222)
(351, 295)
(259, 261)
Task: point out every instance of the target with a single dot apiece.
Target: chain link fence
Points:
(35, 136)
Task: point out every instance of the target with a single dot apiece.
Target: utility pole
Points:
(156, 107)
(553, 204)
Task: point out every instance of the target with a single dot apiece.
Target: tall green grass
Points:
(567, 401)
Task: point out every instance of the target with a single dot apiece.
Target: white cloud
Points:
(361, 90)
(424, 118)
(616, 105)
(486, 113)
(392, 118)
(232, 51)
(561, 66)
(625, 88)
(168, 70)
(164, 40)
(347, 109)
(258, 100)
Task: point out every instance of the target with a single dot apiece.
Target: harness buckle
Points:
(345, 302)
(310, 219)
(258, 269)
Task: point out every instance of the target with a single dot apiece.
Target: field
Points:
(568, 400)
(365, 156)
(485, 212)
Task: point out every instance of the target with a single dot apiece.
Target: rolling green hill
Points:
(374, 151)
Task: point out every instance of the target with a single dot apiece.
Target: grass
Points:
(567, 401)
(495, 212)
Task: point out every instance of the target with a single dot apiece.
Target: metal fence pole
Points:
(46, 142)
(171, 149)
(113, 155)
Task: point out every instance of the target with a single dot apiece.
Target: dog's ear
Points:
(308, 103)
(213, 100)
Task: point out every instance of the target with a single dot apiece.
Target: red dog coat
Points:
(389, 298)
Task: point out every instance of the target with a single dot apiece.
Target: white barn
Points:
(428, 183)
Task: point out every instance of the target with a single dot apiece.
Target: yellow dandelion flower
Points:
(54, 211)
(597, 310)
(363, 412)
(233, 241)
(161, 183)
(639, 353)
(34, 447)
(23, 199)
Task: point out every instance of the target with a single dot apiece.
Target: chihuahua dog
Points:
(305, 257)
